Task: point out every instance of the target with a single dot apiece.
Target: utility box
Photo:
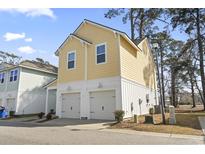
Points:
(172, 117)
(157, 109)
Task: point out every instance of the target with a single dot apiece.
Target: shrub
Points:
(52, 111)
(49, 116)
(151, 110)
(119, 114)
(11, 113)
(40, 115)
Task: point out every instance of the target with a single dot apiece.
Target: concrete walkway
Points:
(202, 123)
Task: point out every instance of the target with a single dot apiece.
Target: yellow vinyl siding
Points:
(98, 35)
(137, 66)
(64, 74)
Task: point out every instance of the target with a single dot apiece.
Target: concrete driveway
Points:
(70, 131)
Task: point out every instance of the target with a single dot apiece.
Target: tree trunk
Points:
(192, 88)
(141, 26)
(160, 92)
(173, 86)
(201, 58)
(162, 77)
(199, 91)
(132, 24)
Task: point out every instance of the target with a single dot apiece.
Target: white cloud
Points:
(28, 39)
(31, 12)
(26, 49)
(13, 36)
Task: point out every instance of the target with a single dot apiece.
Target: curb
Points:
(133, 132)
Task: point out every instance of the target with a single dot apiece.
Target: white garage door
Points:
(71, 105)
(102, 105)
(10, 104)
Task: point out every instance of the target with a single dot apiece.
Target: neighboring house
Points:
(21, 86)
(101, 70)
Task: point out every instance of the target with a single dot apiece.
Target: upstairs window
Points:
(101, 53)
(13, 75)
(71, 60)
(2, 77)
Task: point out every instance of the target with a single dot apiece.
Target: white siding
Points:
(131, 93)
(85, 87)
(31, 94)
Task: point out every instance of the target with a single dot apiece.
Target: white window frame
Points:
(97, 54)
(2, 73)
(70, 52)
(13, 75)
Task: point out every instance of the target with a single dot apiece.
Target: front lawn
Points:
(187, 123)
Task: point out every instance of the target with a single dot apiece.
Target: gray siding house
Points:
(22, 86)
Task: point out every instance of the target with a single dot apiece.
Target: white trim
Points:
(17, 75)
(70, 52)
(3, 76)
(123, 35)
(52, 88)
(120, 65)
(86, 63)
(47, 86)
(100, 44)
(69, 91)
(80, 39)
(101, 89)
(67, 39)
(46, 104)
(37, 69)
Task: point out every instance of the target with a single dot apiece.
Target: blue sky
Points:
(39, 32)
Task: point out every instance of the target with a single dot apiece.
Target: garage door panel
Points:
(71, 105)
(102, 105)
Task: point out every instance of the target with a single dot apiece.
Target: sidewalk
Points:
(133, 132)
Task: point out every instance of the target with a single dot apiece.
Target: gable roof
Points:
(123, 34)
(33, 65)
(76, 37)
(5, 65)
(50, 83)
(39, 66)
(80, 38)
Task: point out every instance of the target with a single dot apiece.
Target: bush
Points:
(49, 116)
(151, 110)
(11, 113)
(40, 115)
(119, 114)
(52, 111)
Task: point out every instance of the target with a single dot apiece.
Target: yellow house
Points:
(101, 70)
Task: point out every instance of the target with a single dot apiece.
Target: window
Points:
(2, 77)
(101, 53)
(13, 75)
(71, 60)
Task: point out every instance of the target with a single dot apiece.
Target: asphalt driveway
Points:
(78, 132)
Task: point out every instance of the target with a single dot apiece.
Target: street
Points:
(21, 134)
